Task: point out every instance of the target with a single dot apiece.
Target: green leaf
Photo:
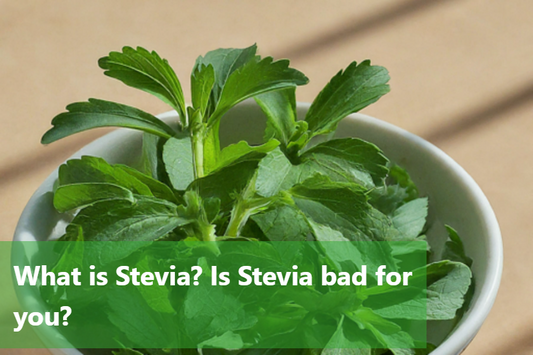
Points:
(126, 352)
(381, 226)
(339, 206)
(93, 170)
(407, 247)
(448, 283)
(156, 297)
(341, 160)
(152, 156)
(400, 176)
(82, 116)
(410, 218)
(324, 233)
(146, 219)
(346, 351)
(454, 249)
(228, 340)
(212, 208)
(388, 334)
(349, 91)
(141, 327)
(171, 351)
(225, 184)
(250, 253)
(349, 257)
(73, 255)
(342, 207)
(337, 195)
(254, 78)
(178, 159)
(276, 173)
(336, 169)
(202, 81)
(388, 198)
(429, 348)
(72, 196)
(398, 190)
(396, 351)
(350, 158)
(282, 223)
(280, 108)
(239, 152)
(157, 188)
(209, 312)
(146, 71)
(224, 62)
(404, 304)
(270, 351)
(341, 344)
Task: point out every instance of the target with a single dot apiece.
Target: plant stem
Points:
(205, 147)
(239, 217)
(211, 147)
(198, 153)
(241, 209)
(246, 204)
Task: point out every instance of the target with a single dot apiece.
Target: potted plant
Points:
(227, 176)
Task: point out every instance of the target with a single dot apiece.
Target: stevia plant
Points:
(286, 189)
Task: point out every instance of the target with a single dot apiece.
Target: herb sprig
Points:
(191, 188)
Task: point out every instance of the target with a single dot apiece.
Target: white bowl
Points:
(454, 199)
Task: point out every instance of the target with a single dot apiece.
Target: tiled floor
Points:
(462, 77)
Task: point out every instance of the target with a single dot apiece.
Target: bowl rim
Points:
(470, 324)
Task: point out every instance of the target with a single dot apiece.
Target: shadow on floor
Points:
(354, 28)
(487, 113)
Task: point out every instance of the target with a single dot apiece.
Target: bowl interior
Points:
(454, 199)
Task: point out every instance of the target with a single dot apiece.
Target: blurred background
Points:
(462, 78)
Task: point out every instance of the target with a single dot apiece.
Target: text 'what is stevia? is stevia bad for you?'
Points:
(101, 294)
